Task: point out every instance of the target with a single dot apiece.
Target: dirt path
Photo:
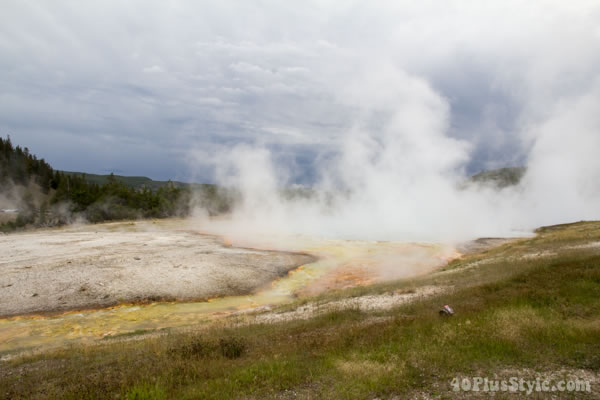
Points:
(91, 266)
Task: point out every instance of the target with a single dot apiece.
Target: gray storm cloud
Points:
(386, 106)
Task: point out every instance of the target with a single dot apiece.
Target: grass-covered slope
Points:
(528, 309)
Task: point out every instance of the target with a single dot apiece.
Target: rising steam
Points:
(399, 175)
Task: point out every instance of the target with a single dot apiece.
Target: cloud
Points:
(294, 80)
(152, 69)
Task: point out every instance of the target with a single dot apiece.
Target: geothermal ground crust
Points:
(92, 266)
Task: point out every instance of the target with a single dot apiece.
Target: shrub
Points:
(232, 347)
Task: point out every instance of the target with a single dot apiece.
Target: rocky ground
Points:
(90, 266)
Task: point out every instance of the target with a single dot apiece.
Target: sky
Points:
(164, 88)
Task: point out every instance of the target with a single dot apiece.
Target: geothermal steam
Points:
(398, 170)
(405, 179)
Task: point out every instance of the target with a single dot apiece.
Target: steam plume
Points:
(400, 175)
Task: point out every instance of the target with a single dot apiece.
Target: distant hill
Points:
(502, 177)
(135, 182)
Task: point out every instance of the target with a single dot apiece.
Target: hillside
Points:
(38, 195)
(501, 178)
(135, 182)
(211, 197)
(33, 194)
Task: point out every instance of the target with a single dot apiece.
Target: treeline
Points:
(115, 200)
(19, 167)
(46, 197)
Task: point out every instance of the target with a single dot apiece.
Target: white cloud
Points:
(152, 69)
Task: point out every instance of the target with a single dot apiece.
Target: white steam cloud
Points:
(399, 170)
(406, 179)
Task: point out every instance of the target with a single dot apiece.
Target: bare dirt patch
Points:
(378, 302)
(102, 265)
(482, 244)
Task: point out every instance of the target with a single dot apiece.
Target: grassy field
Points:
(527, 309)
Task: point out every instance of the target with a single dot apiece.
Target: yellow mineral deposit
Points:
(340, 264)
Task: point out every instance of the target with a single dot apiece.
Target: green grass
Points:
(513, 313)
